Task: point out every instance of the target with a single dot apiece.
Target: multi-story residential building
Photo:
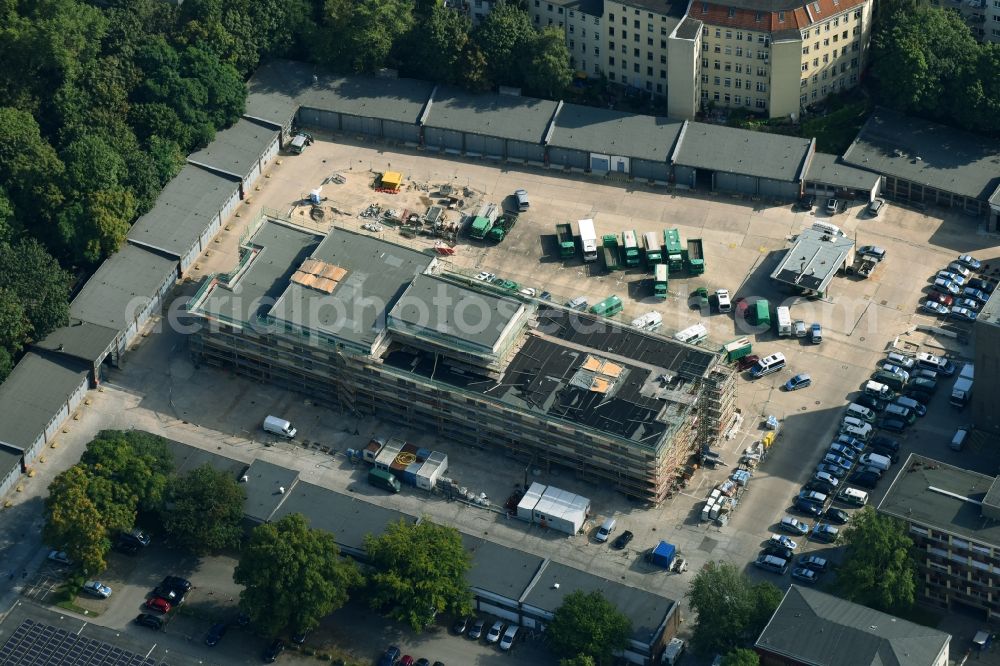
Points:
(986, 386)
(953, 517)
(982, 16)
(581, 20)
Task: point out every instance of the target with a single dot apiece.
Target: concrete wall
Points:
(986, 387)
(683, 60)
(786, 66)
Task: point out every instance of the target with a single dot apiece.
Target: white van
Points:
(827, 228)
(860, 412)
(853, 496)
(878, 390)
(605, 530)
(578, 303)
(692, 334)
(772, 564)
(958, 441)
(854, 421)
(651, 321)
(863, 433)
(280, 427)
(767, 365)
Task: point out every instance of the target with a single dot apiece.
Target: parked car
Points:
(508, 637)
(276, 647)
(797, 382)
(968, 303)
(984, 285)
(747, 362)
(847, 440)
(829, 480)
(869, 401)
(808, 507)
(969, 262)
(778, 551)
(874, 251)
(806, 202)
(825, 533)
(889, 366)
(804, 575)
(461, 625)
(885, 442)
(60, 557)
(892, 425)
(932, 308)
(910, 404)
(833, 470)
(875, 206)
(962, 314)
(816, 334)
(147, 620)
(136, 536)
(814, 562)
(812, 496)
(834, 459)
(865, 480)
(494, 633)
(794, 525)
(977, 294)
(476, 632)
(158, 604)
(836, 516)
(818, 486)
(941, 297)
(405, 660)
(97, 589)
(953, 277)
(215, 634)
(959, 269)
(944, 284)
(843, 450)
(623, 540)
(833, 206)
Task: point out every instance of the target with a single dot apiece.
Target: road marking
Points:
(82, 627)
(150, 650)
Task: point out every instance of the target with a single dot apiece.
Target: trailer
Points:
(651, 321)
(567, 243)
(631, 245)
(673, 249)
(609, 250)
(737, 349)
(609, 307)
(588, 240)
(695, 257)
(784, 316)
(762, 313)
(502, 227)
(660, 281)
(654, 254)
(483, 221)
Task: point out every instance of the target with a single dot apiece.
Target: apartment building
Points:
(581, 20)
(953, 517)
(982, 16)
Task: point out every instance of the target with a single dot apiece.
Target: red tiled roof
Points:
(768, 21)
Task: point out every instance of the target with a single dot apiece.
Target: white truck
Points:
(279, 426)
(962, 390)
(650, 321)
(784, 320)
(875, 460)
(588, 239)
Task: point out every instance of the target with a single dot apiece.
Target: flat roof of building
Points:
(689, 28)
(812, 627)
(400, 100)
(273, 90)
(943, 497)
(121, 287)
(236, 150)
(499, 569)
(646, 610)
(743, 152)
(279, 249)
(813, 261)
(445, 310)
(660, 7)
(589, 372)
(10, 459)
(377, 273)
(610, 132)
(267, 486)
(829, 170)
(186, 458)
(349, 519)
(990, 314)
(36, 389)
(505, 116)
(79, 339)
(183, 211)
(927, 153)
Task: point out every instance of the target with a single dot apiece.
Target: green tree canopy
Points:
(741, 657)
(136, 462)
(419, 571)
(292, 576)
(73, 521)
(504, 36)
(578, 660)
(435, 45)
(732, 610)
(588, 625)
(204, 512)
(546, 64)
(878, 568)
(42, 288)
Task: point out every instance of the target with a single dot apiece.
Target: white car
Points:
(528, 291)
(722, 298)
(783, 541)
(494, 633)
(486, 277)
(97, 589)
(508, 637)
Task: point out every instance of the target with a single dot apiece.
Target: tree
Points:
(731, 609)
(376, 26)
(741, 657)
(588, 625)
(578, 660)
(435, 45)
(292, 576)
(419, 572)
(205, 511)
(73, 522)
(504, 36)
(546, 64)
(39, 284)
(878, 568)
(137, 462)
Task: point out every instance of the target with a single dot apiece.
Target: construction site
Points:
(375, 328)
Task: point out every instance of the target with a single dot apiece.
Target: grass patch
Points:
(836, 130)
(72, 607)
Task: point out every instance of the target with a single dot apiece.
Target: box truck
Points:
(279, 426)
(962, 390)
(588, 240)
(784, 320)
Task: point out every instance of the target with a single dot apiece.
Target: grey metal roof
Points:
(674, 9)
(689, 28)
(263, 486)
(499, 569)
(646, 610)
(80, 339)
(273, 90)
(349, 519)
(182, 212)
(990, 313)
(280, 249)
(995, 197)
(812, 627)
(444, 309)
(10, 459)
(237, 149)
(33, 394)
(401, 100)
(121, 287)
(927, 153)
(615, 132)
(506, 116)
(813, 260)
(377, 274)
(829, 170)
(185, 458)
(911, 499)
(742, 152)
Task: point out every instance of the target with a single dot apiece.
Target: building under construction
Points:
(374, 328)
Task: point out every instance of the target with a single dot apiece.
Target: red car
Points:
(158, 604)
(747, 362)
(407, 660)
(943, 299)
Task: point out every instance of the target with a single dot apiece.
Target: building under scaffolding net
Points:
(368, 327)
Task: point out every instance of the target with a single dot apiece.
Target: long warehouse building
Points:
(374, 328)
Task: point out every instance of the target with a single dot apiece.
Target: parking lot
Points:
(160, 390)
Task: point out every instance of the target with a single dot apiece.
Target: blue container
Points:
(423, 454)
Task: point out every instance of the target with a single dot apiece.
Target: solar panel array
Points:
(37, 644)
